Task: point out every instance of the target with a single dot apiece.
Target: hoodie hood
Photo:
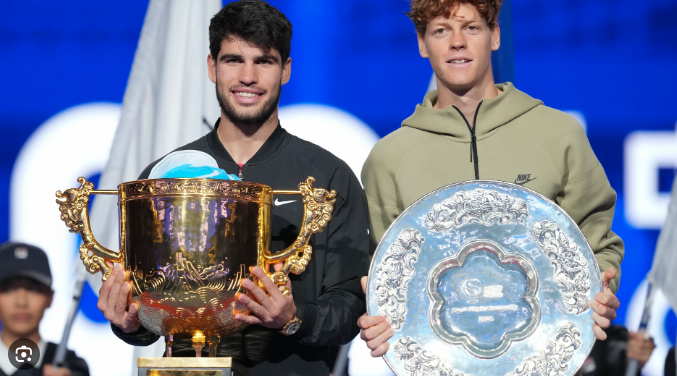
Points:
(495, 112)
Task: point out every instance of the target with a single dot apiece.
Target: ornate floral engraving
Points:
(477, 206)
(202, 188)
(571, 268)
(554, 360)
(72, 203)
(394, 274)
(420, 362)
(318, 205)
(75, 214)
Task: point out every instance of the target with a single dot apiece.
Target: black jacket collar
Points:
(267, 150)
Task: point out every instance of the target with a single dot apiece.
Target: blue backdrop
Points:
(613, 61)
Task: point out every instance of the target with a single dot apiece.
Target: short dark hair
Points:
(12, 283)
(254, 21)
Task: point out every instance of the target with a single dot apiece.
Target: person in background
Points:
(25, 294)
(611, 357)
(670, 363)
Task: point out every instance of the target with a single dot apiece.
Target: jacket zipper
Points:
(473, 140)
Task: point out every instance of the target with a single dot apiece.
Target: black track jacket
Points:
(328, 294)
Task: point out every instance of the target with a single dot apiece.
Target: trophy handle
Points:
(318, 204)
(73, 204)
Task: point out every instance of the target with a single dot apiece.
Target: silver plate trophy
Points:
(485, 278)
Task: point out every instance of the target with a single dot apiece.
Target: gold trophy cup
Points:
(187, 243)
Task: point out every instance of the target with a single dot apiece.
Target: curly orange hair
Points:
(424, 11)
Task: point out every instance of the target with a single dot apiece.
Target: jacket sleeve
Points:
(380, 186)
(332, 318)
(142, 337)
(589, 199)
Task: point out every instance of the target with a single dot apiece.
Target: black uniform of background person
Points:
(670, 363)
(611, 357)
(26, 266)
(328, 294)
(75, 364)
(608, 357)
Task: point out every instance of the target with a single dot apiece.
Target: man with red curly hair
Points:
(472, 128)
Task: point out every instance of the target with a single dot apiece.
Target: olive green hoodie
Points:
(518, 140)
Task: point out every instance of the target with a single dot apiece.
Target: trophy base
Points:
(225, 366)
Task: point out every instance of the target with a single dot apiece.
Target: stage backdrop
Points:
(356, 72)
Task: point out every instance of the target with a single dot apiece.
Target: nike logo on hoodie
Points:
(523, 179)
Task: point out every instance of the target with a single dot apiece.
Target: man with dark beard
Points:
(250, 42)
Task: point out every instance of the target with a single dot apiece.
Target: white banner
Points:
(662, 272)
(169, 101)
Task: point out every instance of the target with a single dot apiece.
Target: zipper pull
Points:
(471, 152)
(241, 173)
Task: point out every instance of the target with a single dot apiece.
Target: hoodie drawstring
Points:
(473, 140)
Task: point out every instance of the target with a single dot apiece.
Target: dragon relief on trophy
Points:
(482, 206)
(571, 268)
(393, 276)
(73, 205)
(195, 294)
(184, 280)
(554, 359)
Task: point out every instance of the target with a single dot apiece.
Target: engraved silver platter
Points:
(485, 278)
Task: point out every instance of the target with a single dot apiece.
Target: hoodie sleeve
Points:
(380, 186)
(588, 198)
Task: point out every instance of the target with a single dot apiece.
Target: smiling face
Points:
(248, 81)
(23, 302)
(459, 48)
